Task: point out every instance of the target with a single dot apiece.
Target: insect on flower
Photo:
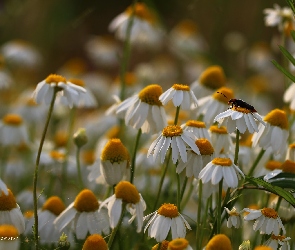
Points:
(239, 103)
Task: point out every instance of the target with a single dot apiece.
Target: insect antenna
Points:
(222, 94)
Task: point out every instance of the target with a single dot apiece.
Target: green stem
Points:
(218, 217)
(178, 191)
(35, 181)
(80, 181)
(183, 188)
(176, 115)
(199, 224)
(237, 147)
(132, 169)
(204, 222)
(258, 158)
(114, 232)
(278, 203)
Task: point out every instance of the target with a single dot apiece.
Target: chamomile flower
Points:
(211, 106)
(241, 118)
(10, 212)
(144, 111)
(234, 218)
(181, 95)
(278, 241)
(211, 79)
(219, 242)
(9, 237)
(221, 140)
(278, 16)
(267, 220)
(84, 215)
(198, 128)
(13, 130)
(163, 220)
(45, 89)
(179, 244)
(125, 192)
(95, 241)
(145, 30)
(174, 135)
(221, 168)
(274, 134)
(164, 245)
(195, 162)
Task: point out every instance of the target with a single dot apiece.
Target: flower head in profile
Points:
(9, 237)
(274, 134)
(243, 118)
(276, 241)
(267, 220)
(144, 111)
(178, 138)
(181, 95)
(45, 90)
(221, 168)
(163, 220)
(198, 128)
(125, 192)
(234, 218)
(221, 140)
(85, 216)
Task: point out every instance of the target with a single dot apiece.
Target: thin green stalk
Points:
(176, 115)
(219, 207)
(278, 203)
(114, 232)
(132, 168)
(35, 181)
(183, 188)
(258, 158)
(204, 222)
(199, 224)
(80, 181)
(237, 147)
(178, 191)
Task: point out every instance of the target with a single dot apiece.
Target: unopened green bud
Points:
(63, 243)
(245, 245)
(80, 137)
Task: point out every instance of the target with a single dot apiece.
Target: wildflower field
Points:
(147, 125)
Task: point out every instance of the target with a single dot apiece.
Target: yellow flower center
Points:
(269, 212)
(31, 102)
(142, 12)
(168, 210)
(130, 79)
(218, 130)
(113, 132)
(278, 237)
(233, 212)
(88, 156)
(219, 242)
(241, 110)
(288, 167)
(53, 78)
(182, 87)
(247, 142)
(223, 95)
(12, 120)
(95, 241)
(205, 147)
(151, 94)
(172, 130)
(178, 244)
(114, 151)
(29, 214)
(292, 146)
(77, 82)
(127, 192)
(7, 202)
(8, 232)
(272, 165)
(277, 118)
(263, 248)
(86, 201)
(187, 27)
(164, 245)
(61, 138)
(56, 155)
(225, 162)
(54, 204)
(213, 77)
(195, 124)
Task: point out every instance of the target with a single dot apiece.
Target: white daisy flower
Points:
(127, 193)
(145, 30)
(44, 90)
(221, 168)
(274, 134)
(12, 130)
(179, 244)
(267, 220)
(211, 79)
(277, 16)
(241, 118)
(9, 237)
(278, 241)
(234, 218)
(144, 111)
(195, 162)
(10, 212)
(198, 128)
(85, 216)
(174, 135)
(181, 95)
(163, 220)
(211, 106)
(221, 140)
